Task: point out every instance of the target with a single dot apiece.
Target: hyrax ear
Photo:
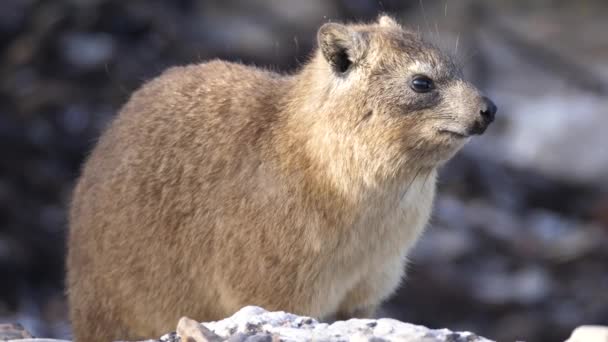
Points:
(341, 46)
(387, 21)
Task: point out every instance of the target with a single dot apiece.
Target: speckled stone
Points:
(254, 324)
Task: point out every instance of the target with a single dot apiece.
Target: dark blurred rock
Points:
(527, 286)
(87, 51)
(12, 17)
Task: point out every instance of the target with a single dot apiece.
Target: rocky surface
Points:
(254, 324)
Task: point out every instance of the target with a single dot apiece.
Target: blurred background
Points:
(518, 245)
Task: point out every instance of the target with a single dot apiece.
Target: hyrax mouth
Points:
(454, 134)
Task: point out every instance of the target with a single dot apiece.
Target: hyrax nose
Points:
(488, 110)
(487, 113)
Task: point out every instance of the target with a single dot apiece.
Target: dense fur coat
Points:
(220, 185)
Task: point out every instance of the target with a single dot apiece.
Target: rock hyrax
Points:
(221, 185)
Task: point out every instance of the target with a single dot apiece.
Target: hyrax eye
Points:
(422, 84)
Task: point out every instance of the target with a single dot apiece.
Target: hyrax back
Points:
(220, 185)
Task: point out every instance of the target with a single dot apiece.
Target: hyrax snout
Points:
(221, 185)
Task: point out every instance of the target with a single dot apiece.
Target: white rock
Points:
(589, 333)
(292, 328)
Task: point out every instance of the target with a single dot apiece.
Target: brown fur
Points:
(221, 185)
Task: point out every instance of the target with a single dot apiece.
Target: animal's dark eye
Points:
(422, 84)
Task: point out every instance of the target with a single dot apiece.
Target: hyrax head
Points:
(406, 100)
